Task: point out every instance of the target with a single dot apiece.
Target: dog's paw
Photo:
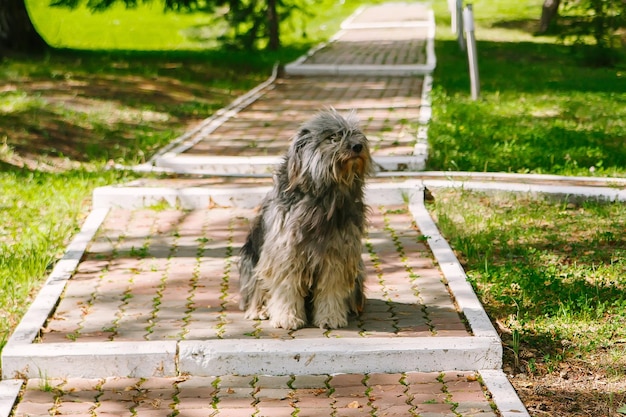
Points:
(289, 322)
(331, 322)
(253, 314)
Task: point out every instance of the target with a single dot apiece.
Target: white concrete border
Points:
(421, 139)
(462, 176)
(338, 355)
(405, 70)
(565, 191)
(389, 25)
(503, 393)
(9, 391)
(90, 360)
(185, 198)
(453, 272)
(131, 197)
(264, 166)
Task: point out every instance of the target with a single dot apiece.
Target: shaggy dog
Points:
(302, 259)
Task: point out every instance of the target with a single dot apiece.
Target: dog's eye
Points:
(334, 138)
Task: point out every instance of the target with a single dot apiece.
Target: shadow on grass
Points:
(539, 265)
(524, 67)
(89, 106)
(529, 26)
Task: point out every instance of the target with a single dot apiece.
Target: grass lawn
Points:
(551, 275)
(540, 110)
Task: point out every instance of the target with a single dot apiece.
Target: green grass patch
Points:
(541, 110)
(148, 27)
(95, 107)
(551, 272)
(39, 213)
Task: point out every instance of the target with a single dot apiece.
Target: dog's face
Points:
(329, 150)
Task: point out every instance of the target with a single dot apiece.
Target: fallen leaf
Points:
(354, 404)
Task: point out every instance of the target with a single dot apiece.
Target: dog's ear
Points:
(294, 158)
(302, 135)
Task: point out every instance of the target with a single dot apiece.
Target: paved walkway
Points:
(406, 394)
(378, 65)
(140, 316)
(169, 275)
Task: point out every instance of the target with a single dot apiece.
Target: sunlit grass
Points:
(541, 110)
(40, 213)
(149, 28)
(146, 27)
(551, 270)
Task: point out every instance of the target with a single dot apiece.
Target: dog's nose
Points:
(357, 147)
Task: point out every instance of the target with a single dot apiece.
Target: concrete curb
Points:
(198, 198)
(462, 176)
(30, 325)
(562, 191)
(90, 360)
(264, 166)
(341, 355)
(453, 272)
(503, 393)
(9, 391)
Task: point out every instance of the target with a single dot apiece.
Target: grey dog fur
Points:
(301, 262)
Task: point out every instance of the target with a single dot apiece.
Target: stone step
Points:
(149, 288)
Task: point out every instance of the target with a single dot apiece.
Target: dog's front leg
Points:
(330, 307)
(286, 305)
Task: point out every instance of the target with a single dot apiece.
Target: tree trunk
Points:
(17, 32)
(273, 26)
(548, 13)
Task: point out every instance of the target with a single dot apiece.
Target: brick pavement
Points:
(169, 274)
(159, 273)
(399, 46)
(441, 394)
(386, 106)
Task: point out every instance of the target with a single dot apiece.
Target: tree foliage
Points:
(251, 21)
